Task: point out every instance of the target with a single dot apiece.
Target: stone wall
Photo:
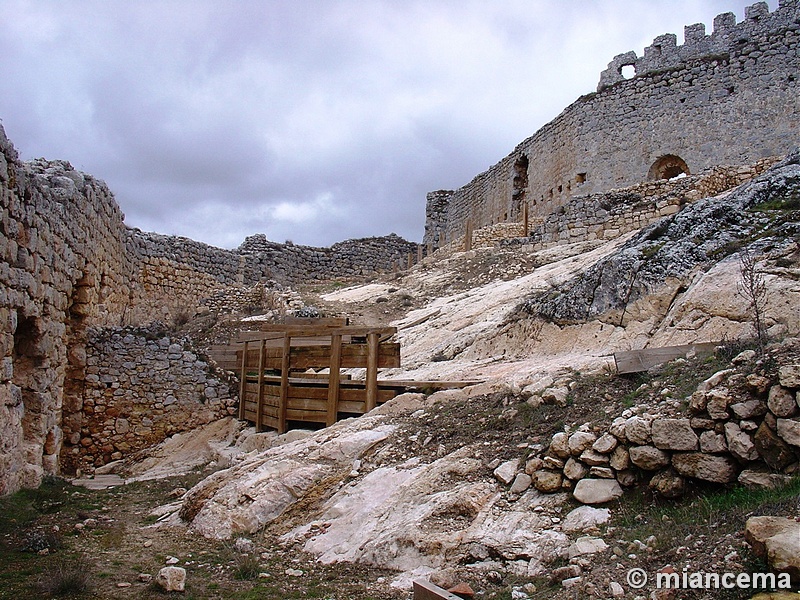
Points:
(70, 265)
(726, 98)
(739, 425)
(140, 386)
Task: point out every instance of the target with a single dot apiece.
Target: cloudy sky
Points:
(309, 120)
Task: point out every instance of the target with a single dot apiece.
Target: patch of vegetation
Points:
(782, 203)
(67, 578)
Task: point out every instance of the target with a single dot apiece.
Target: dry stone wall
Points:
(140, 386)
(739, 426)
(728, 98)
(69, 265)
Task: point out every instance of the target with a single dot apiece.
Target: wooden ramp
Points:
(279, 382)
(636, 361)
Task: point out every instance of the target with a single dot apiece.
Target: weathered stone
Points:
(620, 459)
(717, 469)
(580, 441)
(575, 469)
(789, 376)
(673, 434)
(648, 457)
(172, 579)
(626, 478)
(757, 383)
(605, 444)
(601, 472)
(597, 491)
(587, 545)
(547, 481)
(761, 480)
(592, 458)
(585, 518)
(521, 483)
(559, 445)
(713, 443)
(714, 381)
(789, 431)
(749, 409)
(637, 430)
(772, 449)
(781, 401)
(506, 472)
(718, 402)
(740, 444)
(777, 541)
(668, 484)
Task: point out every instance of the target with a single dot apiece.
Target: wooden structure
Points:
(425, 590)
(636, 361)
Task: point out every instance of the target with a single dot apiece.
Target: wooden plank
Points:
(333, 380)
(259, 403)
(468, 236)
(243, 383)
(425, 590)
(372, 371)
(353, 356)
(317, 321)
(418, 385)
(284, 396)
(636, 361)
(525, 220)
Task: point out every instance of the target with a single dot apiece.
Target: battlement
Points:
(665, 53)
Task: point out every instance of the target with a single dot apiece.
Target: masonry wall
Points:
(68, 266)
(728, 98)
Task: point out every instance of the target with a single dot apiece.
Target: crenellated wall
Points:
(728, 98)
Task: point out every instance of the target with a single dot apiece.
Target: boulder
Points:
(592, 458)
(718, 402)
(772, 449)
(620, 459)
(762, 480)
(506, 472)
(580, 441)
(777, 541)
(781, 401)
(649, 458)
(716, 469)
(789, 431)
(673, 434)
(559, 445)
(584, 518)
(740, 444)
(587, 545)
(605, 444)
(668, 484)
(521, 483)
(637, 430)
(547, 481)
(789, 376)
(597, 491)
(575, 470)
(749, 409)
(713, 443)
(172, 579)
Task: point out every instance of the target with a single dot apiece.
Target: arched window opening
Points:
(669, 166)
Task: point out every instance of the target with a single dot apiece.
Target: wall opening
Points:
(628, 71)
(580, 178)
(519, 184)
(668, 166)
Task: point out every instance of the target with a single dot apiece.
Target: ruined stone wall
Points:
(726, 98)
(68, 265)
(140, 386)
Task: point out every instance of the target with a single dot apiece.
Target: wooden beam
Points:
(468, 236)
(419, 253)
(260, 403)
(243, 383)
(636, 361)
(283, 402)
(425, 590)
(525, 223)
(333, 380)
(372, 371)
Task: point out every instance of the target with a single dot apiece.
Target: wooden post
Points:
(283, 401)
(372, 371)
(430, 248)
(419, 253)
(243, 384)
(525, 227)
(260, 403)
(409, 260)
(468, 236)
(333, 379)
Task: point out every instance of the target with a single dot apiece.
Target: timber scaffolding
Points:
(279, 385)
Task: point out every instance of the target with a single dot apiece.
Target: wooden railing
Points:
(276, 386)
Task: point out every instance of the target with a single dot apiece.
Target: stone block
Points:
(673, 434)
(597, 491)
(648, 458)
(781, 401)
(716, 469)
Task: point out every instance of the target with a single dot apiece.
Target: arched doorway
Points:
(668, 166)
